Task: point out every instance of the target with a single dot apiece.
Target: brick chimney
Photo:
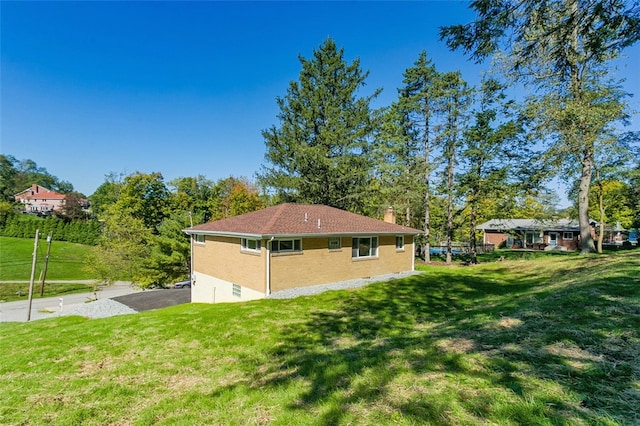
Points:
(390, 215)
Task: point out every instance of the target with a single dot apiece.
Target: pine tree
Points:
(320, 151)
(417, 106)
(454, 97)
(484, 154)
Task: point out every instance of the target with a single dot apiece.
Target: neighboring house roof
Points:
(530, 225)
(37, 192)
(299, 220)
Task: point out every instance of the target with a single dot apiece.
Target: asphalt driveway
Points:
(156, 299)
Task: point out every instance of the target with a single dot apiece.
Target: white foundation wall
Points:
(208, 289)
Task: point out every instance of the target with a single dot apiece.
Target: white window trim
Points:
(245, 247)
(401, 247)
(197, 237)
(275, 246)
(339, 247)
(373, 249)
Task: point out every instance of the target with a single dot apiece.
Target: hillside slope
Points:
(546, 341)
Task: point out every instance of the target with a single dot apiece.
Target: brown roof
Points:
(300, 220)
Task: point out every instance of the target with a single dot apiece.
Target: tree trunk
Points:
(586, 240)
(450, 207)
(450, 170)
(427, 228)
(427, 175)
(602, 214)
(407, 217)
(473, 249)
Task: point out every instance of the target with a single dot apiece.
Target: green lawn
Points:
(66, 260)
(549, 341)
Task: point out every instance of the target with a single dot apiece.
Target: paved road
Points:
(50, 306)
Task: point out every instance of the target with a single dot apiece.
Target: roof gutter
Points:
(308, 235)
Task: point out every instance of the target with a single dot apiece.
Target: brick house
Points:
(538, 234)
(40, 200)
(293, 245)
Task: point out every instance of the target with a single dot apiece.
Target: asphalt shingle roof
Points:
(530, 224)
(300, 220)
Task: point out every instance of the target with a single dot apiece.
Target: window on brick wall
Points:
(286, 246)
(249, 244)
(364, 247)
(335, 243)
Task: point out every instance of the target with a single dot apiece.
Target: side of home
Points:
(292, 245)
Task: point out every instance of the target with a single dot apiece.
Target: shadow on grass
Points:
(475, 348)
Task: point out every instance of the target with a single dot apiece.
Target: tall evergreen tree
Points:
(417, 105)
(562, 47)
(320, 151)
(454, 99)
(486, 161)
(398, 166)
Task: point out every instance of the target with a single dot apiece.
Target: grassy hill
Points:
(65, 260)
(551, 341)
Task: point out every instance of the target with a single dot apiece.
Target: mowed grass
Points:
(66, 260)
(551, 341)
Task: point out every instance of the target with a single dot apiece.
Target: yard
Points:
(549, 340)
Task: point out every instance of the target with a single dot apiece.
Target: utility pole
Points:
(46, 262)
(33, 273)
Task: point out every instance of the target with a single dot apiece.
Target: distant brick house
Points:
(40, 200)
(538, 234)
(293, 245)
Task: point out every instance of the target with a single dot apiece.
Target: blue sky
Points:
(185, 88)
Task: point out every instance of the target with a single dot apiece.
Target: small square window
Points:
(198, 238)
(335, 243)
(567, 235)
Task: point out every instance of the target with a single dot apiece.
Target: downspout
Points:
(413, 253)
(268, 268)
(192, 274)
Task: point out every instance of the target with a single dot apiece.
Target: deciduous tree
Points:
(144, 196)
(563, 48)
